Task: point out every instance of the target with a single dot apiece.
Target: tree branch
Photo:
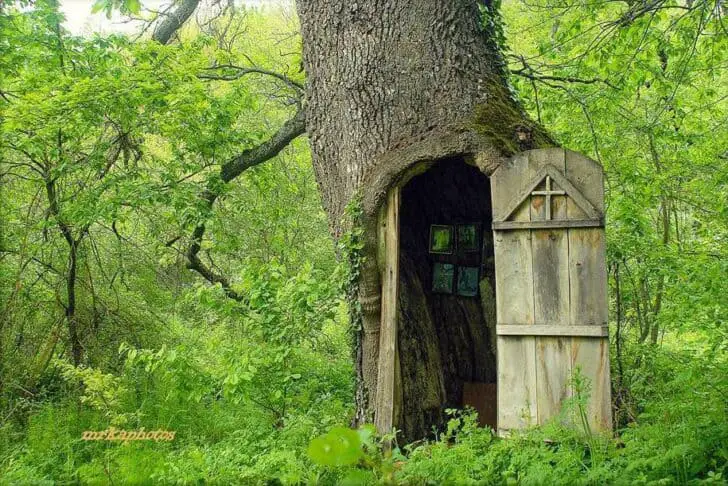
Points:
(231, 169)
(236, 165)
(528, 72)
(240, 71)
(290, 130)
(173, 21)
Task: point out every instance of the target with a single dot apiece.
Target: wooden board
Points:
(591, 355)
(551, 330)
(550, 254)
(550, 257)
(586, 175)
(514, 282)
(516, 382)
(514, 305)
(588, 293)
(509, 178)
(588, 277)
(553, 369)
(388, 397)
(577, 223)
(589, 308)
(548, 156)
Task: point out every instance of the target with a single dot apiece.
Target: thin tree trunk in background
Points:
(664, 221)
(76, 349)
(73, 243)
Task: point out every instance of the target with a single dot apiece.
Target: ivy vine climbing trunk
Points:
(391, 83)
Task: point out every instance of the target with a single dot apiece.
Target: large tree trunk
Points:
(393, 83)
(384, 73)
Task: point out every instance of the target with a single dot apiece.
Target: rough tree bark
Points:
(173, 20)
(391, 83)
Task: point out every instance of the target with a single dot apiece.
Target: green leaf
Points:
(133, 6)
(99, 5)
(339, 447)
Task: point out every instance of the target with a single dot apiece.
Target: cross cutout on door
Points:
(548, 193)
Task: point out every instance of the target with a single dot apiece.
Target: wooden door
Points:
(551, 287)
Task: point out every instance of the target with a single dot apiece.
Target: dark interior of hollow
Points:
(446, 353)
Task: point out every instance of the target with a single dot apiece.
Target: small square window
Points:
(468, 237)
(468, 281)
(443, 275)
(442, 239)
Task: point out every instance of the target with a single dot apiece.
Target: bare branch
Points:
(528, 72)
(231, 169)
(240, 71)
(267, 150)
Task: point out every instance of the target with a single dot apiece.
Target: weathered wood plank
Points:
(516, 181)
(386, 397)
(514, 266)
(587, 277)
(591, 355)
(551, 330)
(514, 278)
(587, 176)
(553, 368)
(517, 406)
(561, 313)
(588, 291)
(547, 156)
(550, 253)
(514, 304)
(505, 180)
(577, 223)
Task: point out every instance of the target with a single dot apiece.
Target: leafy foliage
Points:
(111, 147)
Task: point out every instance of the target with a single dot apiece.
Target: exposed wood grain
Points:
(516, 382)
(587, 268)
(553, 368)
(550, 253)
(529, 186)
(588, 291)
(514, 278)
(587, 277)
(551, 330)
(550, 256)
(505, 180)
(387, 398)
(587, 248)
(514, 302)
(560, 313)
(540, 158)
(587, 176)
(576, 223)
(591, 356)
(514, 266)
(516, 355)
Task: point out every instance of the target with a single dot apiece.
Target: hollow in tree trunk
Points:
(393, 85)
